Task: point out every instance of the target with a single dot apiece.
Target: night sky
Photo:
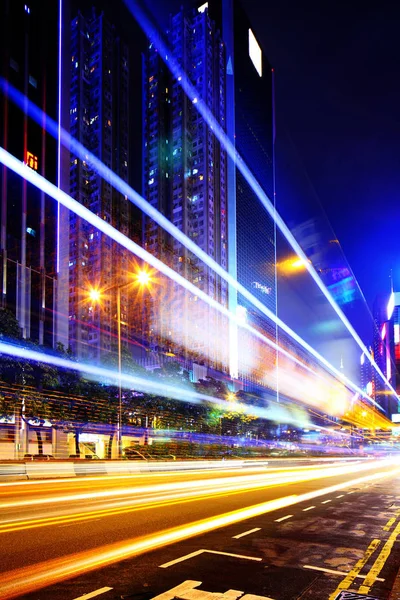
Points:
(338, 99)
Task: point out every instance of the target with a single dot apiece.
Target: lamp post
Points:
(143, 278)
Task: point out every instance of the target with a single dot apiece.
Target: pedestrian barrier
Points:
(79, 467)
(13, 471)
(47, 470)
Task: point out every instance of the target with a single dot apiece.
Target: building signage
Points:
(261, 288)
(31, 161)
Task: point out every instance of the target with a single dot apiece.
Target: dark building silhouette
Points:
(29, 49)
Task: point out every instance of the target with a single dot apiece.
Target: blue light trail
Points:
(84, 154)
(191, 92)
(60, 196)
(150, 386)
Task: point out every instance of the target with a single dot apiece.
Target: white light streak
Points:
(207, 115)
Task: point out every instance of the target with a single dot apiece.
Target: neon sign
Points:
(31, 161)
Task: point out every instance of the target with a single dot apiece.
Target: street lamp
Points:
(144, 279)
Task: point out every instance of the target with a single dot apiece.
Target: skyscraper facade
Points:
(190, 179)
(185, 179)
(99, 119)
(251, 229)
(29, 51)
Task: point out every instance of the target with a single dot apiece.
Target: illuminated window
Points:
(31, 161)
(203, 7)
(255, 53)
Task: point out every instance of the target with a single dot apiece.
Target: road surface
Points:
(305, 532)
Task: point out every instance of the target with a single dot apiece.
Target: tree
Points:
(9, 326)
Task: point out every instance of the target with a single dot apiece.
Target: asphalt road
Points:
(299, 532)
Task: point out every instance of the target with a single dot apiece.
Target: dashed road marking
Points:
(240, 535)
(283, 518)
(351, 492)
(102, 590)
(198, 552)
(340, 496)
(308, 508)
(311, 567)
(326, 501)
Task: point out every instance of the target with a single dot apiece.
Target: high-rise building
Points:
(29, 49)
(191, 180)
(185, 179)
(99, 119)
(393, 347)
(251, 230)
(386, 350)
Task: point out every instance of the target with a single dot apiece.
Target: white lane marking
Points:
(326, 501)
(181, 559)
(102, 590)
(308, 508)
(192, 554)
(181, 589)
(340, 496)
(236, 537)
(187, 591)
(283, 518)
(351, 492)
(334, 572)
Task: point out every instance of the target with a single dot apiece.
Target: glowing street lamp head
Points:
(143, 278)
(298, 263)
(94, 295)
(292, 265)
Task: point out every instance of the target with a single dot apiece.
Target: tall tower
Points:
(99, 119)
(29, 52)
(252, 234)
(185, 179)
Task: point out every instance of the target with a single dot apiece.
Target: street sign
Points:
(344, 595)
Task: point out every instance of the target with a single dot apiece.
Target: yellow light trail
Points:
(290, 475)
(30, 578)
